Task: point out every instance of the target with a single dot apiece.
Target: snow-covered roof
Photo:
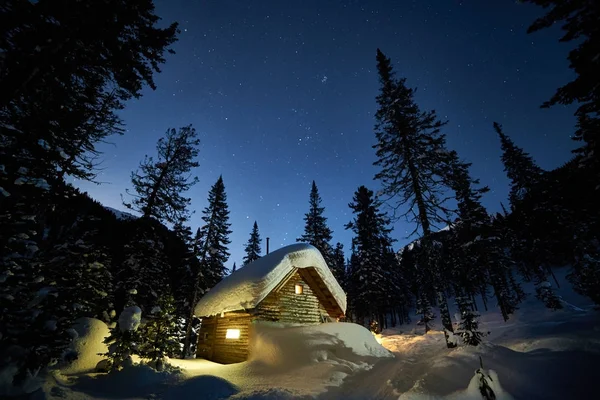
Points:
(249, 285)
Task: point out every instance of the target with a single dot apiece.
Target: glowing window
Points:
(232, 334)
(299, 289)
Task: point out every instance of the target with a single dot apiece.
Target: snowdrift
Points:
(293, 347)
(87, 344)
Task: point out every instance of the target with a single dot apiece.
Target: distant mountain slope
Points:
(121, 214)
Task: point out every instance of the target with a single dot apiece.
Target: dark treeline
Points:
(67, 68)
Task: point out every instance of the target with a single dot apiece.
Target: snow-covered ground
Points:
(537, 354)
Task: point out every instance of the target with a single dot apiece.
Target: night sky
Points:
(284, 92)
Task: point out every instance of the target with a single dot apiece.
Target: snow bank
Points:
(249, 285)
(293, 347)
(87, 344)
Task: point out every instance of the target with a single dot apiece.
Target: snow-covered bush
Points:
(160, 333)
(124, 339)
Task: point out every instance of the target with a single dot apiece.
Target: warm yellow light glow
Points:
(232, 334)
(378, 337)
(299, 289)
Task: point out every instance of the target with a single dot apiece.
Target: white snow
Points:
(296, 363)
(248, 286)
(537, 354)
(286, 347)
(130, 318)
(87, 344)
(120, 214)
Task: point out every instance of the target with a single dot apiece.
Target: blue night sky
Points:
(284, 92)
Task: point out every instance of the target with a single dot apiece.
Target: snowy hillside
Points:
(120, 214)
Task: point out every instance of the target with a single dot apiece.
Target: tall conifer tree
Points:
(159, 184)
(252, 248)
(368, 278)
(211, 246)
(579, 21)
(316, 231)
(411, 155)
(519, 166)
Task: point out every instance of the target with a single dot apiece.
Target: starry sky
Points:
(283, 92)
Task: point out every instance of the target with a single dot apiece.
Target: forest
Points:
(64, 256)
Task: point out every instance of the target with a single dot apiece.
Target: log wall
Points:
(212, 344)
(284, 305)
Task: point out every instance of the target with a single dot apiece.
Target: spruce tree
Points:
(339, 264)
(160, 333)
(519, 166)
(145, 271)
(411, 155)
(579, 21)
(67, 69)
(213, 236)
(159, 184)
(368, 277)
(78, 271)
(468, 327)
(478, 254)
(124, 339)
(252, 248)
(211, 247)
(316, 231)
(234, 268)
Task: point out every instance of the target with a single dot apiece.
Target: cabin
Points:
(292, 285)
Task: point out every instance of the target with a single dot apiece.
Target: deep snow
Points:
(249, 285)
(537, 354)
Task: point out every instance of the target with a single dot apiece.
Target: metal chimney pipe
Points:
(267, 245)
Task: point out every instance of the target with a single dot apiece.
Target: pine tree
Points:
(78, 271)
(423, 310)
(234, 268)
(478, 254)
(339, 264)
(411, 152)
(252, 248)
(371, 238)
(145, 271)
(520, 168)
(579, 19)
(160, 333)
(159, 184)
(316, 231)
(124, 339)
(67, 69)
(211, 249)
(468, 327)
(213, 236)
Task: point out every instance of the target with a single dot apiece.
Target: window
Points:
(232, 334)
(299, 289)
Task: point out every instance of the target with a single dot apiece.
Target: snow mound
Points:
(336, 343)
(130, 319)
(87, 344)
(248, 286)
